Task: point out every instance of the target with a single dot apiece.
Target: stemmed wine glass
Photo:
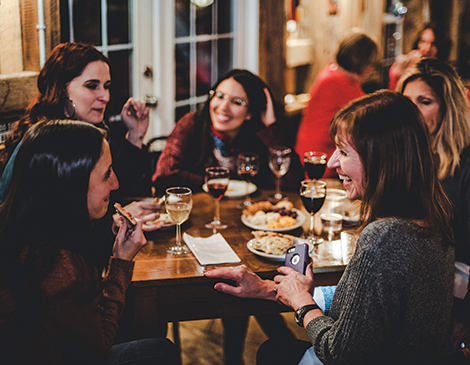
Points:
(217, 179)
(247, 167)
(178, 204)
(315, 164)
(312, 193)
(279, 163)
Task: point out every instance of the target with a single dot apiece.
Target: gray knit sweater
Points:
(393, 304)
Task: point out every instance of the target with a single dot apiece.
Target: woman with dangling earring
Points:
(74, 84)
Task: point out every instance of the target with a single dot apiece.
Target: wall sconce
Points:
(202, 3)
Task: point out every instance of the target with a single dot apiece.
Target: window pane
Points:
(87, 21)
(181, 18)
(225, 18)
(180, 112)
(120, 89)
(203, 81)
(225, 55)
(182, 71)
(204, 20)
(118, 21)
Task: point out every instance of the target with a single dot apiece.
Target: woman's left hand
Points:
(268, 117)
(135, 115)
(294, 289)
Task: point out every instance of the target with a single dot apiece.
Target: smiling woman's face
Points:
(90, 92)
(345, 160)
(227, 115)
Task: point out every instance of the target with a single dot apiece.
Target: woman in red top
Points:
(336, 85)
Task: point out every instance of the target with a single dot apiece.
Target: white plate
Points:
(264, 227)
(270, 256)
(236, 189)
(164, 220)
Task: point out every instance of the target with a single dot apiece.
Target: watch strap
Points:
(302, 311)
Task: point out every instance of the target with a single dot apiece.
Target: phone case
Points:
(297, 257)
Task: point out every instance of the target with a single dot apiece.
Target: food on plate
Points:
(272, 243)
(125, 214)
(280, 215)
(255, 207)
(282, 222)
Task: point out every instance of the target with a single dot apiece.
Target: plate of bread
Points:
(272, 245)
(280, 217)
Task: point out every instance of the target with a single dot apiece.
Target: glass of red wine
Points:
(315, 164)
(312, 193)
(217, 179)
(247, 167)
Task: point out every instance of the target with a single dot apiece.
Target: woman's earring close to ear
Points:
(70, 109)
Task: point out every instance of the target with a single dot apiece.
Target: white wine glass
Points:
(312, 194)
(279, 163)
(217, 179)
(247, 168)
(178, 204)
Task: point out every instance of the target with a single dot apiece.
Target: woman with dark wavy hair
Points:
(431, 42)
(238, 116)
(75, 84)
(55, 307)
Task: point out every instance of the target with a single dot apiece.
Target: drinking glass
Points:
(217, 179)
(332, 223)
(315, 164)
(247, 167)
(279, 163)
(178, 204)
(312, 193)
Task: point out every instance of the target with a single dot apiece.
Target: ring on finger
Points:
(275, 288)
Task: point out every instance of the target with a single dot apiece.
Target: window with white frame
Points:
(107, 25)
(204, 42)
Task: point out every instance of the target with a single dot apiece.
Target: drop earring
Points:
(70, 109)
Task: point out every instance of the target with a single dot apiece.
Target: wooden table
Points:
(169, 288)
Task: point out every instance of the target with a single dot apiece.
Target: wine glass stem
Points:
(312, 222)
(178, 234)
(278, 188)
(247, 195)
(217, 211)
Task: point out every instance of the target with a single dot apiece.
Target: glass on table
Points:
(332, 223)
(279, 163)
(247, 168)
(217, 179)
(178, 204)
(315, 164)
(312, 194)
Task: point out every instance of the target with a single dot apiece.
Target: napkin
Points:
(211, 250)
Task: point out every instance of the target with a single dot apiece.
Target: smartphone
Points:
(297, 257)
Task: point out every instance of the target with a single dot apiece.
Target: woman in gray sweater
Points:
(393, 303)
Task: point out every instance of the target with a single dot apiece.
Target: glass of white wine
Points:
(178, 204)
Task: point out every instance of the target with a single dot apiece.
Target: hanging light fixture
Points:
(202, 3)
